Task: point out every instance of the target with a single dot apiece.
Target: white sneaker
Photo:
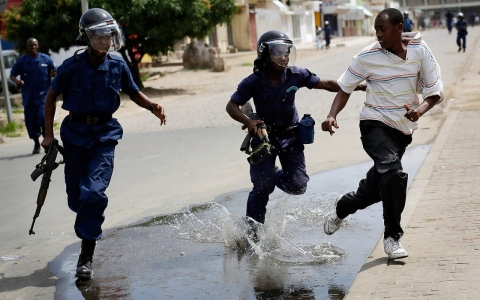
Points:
(332, 221)
(394, 249)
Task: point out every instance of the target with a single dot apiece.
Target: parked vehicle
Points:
(9, 58)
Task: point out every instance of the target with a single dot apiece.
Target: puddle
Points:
(205, 251)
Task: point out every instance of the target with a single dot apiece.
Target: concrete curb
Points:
(370, 274)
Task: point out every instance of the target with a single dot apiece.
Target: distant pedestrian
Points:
(407, 22)
(90, 83)
(461, 27)
(319, 36)
(35, 70)
(273, 86)
(328, 34)
(449, 16)
(387, 121)
(473, 17)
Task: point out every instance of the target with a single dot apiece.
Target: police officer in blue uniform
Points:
(90, 83)
(273, 86)
(35, 70)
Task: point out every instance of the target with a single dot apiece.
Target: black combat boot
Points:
(84, 265)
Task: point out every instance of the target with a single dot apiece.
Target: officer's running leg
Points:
(41, 118)
(293, 178)
(263, 179)
(76, 163)
(93, 184)
(31, 121)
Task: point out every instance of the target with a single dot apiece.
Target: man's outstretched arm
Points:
(338, 104)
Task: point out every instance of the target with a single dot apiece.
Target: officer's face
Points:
(32, 47)
(279, 54)
(388, 35)
(101, 42)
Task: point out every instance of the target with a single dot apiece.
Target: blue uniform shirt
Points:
(407, 25)
(461, 27)
(275, 105)
(94, 90)
(35, 73)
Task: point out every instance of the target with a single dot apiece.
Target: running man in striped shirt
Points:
(396, 68)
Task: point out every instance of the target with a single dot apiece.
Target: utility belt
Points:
(89, 119)
(282, 131)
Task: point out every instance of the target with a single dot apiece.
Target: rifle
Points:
(45, 167)
(261, 151)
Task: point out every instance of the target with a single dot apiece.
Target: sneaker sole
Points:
(326, 231)
(398, 257)
(325, 223)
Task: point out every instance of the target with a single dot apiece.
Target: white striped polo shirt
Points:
(393, 82)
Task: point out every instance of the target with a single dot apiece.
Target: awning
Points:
(282, 7)
(350, 12)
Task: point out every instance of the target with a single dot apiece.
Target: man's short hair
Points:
(394, 15)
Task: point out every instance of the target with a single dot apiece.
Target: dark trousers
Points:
(385, 181)
(34, 119)
(87, 176)
(462, 41)
(292, 179)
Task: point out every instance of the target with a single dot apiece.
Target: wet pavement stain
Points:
(205, 251)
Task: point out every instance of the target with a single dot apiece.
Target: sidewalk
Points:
(442, 216)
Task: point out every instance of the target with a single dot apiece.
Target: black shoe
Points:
(463, 49)
(84, 269)
(36, 149)
(84, 265)
(459, 49)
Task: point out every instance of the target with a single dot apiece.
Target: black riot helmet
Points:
(99, 30)
(274, 46)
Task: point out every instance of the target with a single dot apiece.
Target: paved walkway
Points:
(442, 216)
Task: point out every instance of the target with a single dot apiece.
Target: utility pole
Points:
(6, 94)
(84, 6)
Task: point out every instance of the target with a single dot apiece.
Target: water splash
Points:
(212, 222)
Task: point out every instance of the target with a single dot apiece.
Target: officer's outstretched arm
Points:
(50, 108)
(142, 100)
(332, 86)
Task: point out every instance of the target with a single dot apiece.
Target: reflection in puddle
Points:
(205, 252)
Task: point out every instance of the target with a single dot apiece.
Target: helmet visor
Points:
(282, 53)
(105, 37)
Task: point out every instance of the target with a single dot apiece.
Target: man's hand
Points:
(252, 126)
(19, 83)
(46, 142)
(412, 114)
(361, 87)
(328, 125)
(159, 112)
(53, 73)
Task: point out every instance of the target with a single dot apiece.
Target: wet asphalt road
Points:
(202, 252)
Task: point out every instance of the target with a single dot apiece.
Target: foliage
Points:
(149, 26)
(11, 129)
(54, 23)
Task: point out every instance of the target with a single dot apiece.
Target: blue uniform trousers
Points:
(34, 119)
(292, 179)
(462, 41)
(87, 176)
(385, 181)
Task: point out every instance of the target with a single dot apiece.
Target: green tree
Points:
(149, 26)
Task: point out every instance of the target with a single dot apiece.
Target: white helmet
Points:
(460, 15)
